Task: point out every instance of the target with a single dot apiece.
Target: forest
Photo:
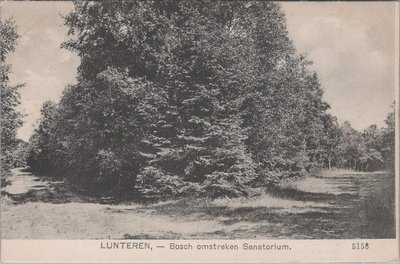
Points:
(185, 99)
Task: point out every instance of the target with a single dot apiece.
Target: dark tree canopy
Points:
(11, 119)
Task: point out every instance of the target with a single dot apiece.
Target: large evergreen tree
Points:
(186, 97)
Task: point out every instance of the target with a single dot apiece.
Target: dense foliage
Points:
(10, 99)
(373, 149)
(184, 98)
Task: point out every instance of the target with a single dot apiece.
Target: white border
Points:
(301, 250)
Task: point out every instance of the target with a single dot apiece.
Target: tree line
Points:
(10, 117)
(192, 98)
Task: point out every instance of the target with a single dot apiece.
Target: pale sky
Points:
(352, 45)
(38, 59)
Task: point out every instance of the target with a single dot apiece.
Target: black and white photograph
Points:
(198, 120)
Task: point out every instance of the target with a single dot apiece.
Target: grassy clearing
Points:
(341, 206)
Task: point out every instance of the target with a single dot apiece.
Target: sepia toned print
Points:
(240, 126)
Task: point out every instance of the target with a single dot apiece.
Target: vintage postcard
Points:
(199, 131)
